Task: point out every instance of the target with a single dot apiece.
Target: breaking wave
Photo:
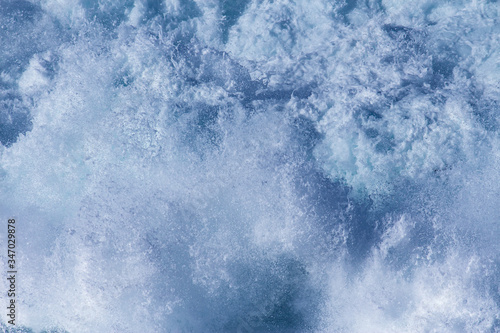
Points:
(252, 165)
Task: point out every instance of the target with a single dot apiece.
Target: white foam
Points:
(167, 183)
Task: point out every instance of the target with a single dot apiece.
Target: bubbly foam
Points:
(252, 166)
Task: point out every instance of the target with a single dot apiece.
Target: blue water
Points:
(252, 165)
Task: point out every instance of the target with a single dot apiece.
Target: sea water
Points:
(251, 165)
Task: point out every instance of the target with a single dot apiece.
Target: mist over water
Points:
(252, 166)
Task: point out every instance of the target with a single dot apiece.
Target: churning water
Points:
(252, 165)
